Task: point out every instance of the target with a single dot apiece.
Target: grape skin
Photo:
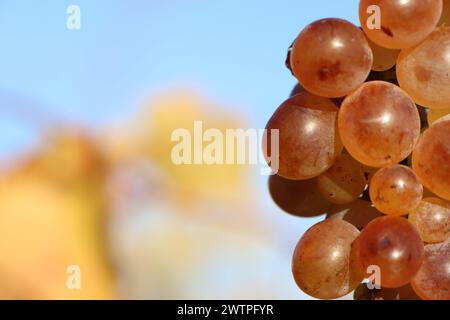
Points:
(393, 244)
(431, 159)
(359, 213)
(343, 182)
(422, 71)
(383, 58)
(432, 219)
(403, 23)
(434, 115)
(322, 263)
(395, 190)
(331, 58)
(299, 197)
(379, 124)
(432, 282)
(308, 139)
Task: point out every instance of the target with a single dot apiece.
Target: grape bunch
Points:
(365, 138)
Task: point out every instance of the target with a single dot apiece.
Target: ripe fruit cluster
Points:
(365, 138)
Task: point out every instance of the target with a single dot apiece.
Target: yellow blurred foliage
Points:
(52, 216)
(149, 136)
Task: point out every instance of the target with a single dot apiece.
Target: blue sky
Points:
(232, 51)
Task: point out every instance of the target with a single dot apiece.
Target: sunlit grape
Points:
(392, 244)
(395, 190)
(402, 24)
(435, 114)
(432, 282)
(331, 57)
(383, 58)
(322, 264)
(379, 124)
(432, 219)
(431, 159)
(422, 71)
(308, 139)
(343, 182)
(299, 197)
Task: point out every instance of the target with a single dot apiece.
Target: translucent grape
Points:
(432, 219)
(422, 71)
(379, 124)
(299, 197)
(392, 244)
(383, 58)
(403, 24)
(432, 282)
(395, 190)
(308, 139)
(435, 114)
(322, 264)
(343, 182)
(431, 159)
(331, 57)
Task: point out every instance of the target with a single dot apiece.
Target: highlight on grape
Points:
(213, 146)
(364, 137)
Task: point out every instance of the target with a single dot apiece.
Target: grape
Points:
(379, 124)
(431, 159)
(395, 190)
(388, 76)
(436, 114)
(432, 219)
(343, 182)
(359, 213)
(445, 17)
(308, 139)
(322, 264)
(422, 71)
(296, 90)
(331, 57)
(432, 282)
(392, 244)
(402, 293)
(383, 58)
(403, 23)
(299, 197)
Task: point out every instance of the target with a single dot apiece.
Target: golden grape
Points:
(322, 264)
(379, 124)
(343, 182)
(331, 58)
(403, 24)
(395, 190)
(423, 71)
(308, 139)
(431, 159)
(432, 219)
(432, 282)
(392, 244)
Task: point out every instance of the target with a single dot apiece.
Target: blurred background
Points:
(86, 176)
